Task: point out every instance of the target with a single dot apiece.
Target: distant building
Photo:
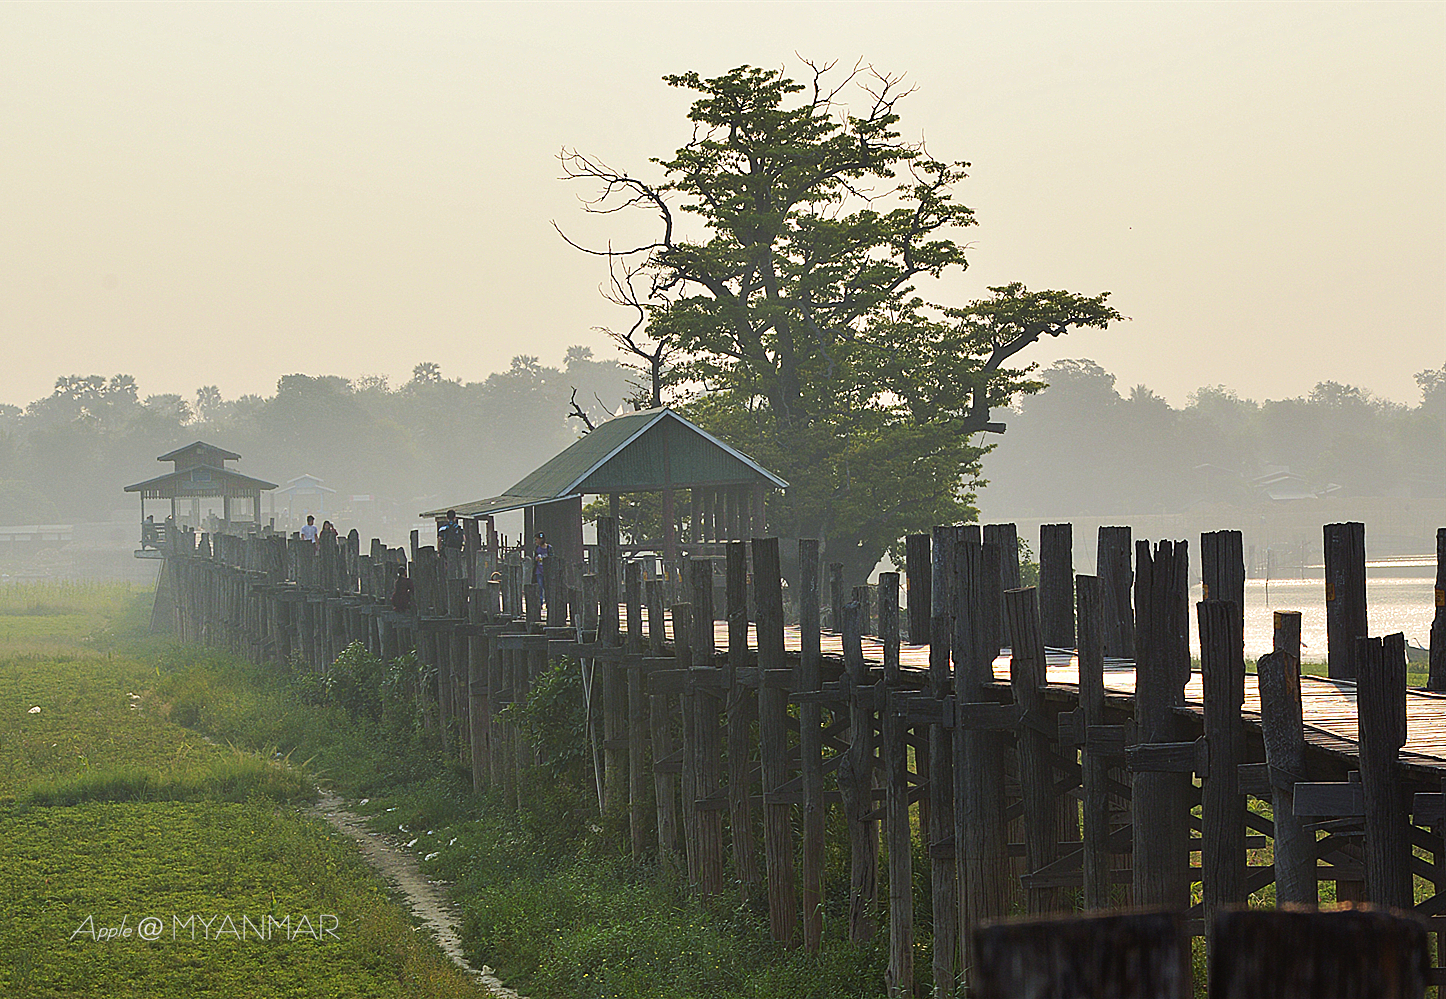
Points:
(200, 474)
(305, 494)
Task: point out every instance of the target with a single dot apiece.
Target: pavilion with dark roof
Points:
(200, 473)
(655, 450)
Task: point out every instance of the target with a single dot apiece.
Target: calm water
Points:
(1392, 605)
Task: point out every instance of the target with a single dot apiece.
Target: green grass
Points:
(111, 811)
(548, 896)
(113, 863)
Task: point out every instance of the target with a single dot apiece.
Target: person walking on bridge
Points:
(541, 552)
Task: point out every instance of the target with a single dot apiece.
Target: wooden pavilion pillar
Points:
(730, 514)
(670, 531)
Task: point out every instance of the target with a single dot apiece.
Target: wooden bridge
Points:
(1094, 774)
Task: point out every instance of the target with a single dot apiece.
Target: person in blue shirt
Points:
(449, 534)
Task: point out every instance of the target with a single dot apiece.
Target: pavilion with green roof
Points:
(654, 450)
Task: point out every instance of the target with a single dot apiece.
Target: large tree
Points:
(792, 238)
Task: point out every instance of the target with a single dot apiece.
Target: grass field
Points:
(115, 820)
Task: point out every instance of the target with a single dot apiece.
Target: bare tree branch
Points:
(578, 413)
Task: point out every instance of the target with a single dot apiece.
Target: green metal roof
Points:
(637, 452)
(199, 480)
(203, 449)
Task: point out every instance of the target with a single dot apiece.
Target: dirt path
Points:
(399, 867)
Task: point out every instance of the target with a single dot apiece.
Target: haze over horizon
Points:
(222, 194)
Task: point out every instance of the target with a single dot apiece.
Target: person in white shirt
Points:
(308, 533)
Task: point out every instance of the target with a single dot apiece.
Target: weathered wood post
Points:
(707, 683)
(918, 566)
(1283, 733)
(1116, 573)
(1036, 774)
(608, 673)
(774, 682)
(479, 710)
(742, 709)
(1006, 536)
(1222, 667)
(1056, 585)
(688, 774)
(1436, 679)
(856, 783)
(660, 728)
(1094, 764)
(1128, 956)
(1381, 715)
(899, 978)
(498, 696)
(1159, 798)
(937, 560)
(981, 743)
(837, 595)
(638, 804)
(1222, 568)
(1345, 954)
(1345, 591)
(810, 743)
(862, 595)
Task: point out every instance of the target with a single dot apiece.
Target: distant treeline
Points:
(433, 440)
(1079, 445)
(1083, 446)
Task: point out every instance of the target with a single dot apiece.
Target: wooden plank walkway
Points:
(1329, 706)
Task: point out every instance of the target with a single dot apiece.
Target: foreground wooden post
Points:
(1159, 799)
(1095, 768)
(706, 743)
(856, 783)
(1222, 567)
(1381, 714)
(899, 979)
(773, 683)
(479, 711)
(939, 829)
(1115, 568)
(836, 595)
(637, 713)
(1356, 953)
(1130, 956)
(981, 743)
(1222, 848)
(1345, 591)
(660, 729)
(920, 582)
(1284, 735)
(810, 743)
(688, 775)
(1056, 585)
(742, 710)
(1436, 680)
(1036, 775)
(1006, 537)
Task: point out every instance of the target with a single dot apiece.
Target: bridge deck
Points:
(1328, 706)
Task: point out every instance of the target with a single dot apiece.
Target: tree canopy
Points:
(783, 286)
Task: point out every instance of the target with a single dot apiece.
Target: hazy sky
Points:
(213, 193)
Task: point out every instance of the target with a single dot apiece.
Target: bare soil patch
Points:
(425, 898)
